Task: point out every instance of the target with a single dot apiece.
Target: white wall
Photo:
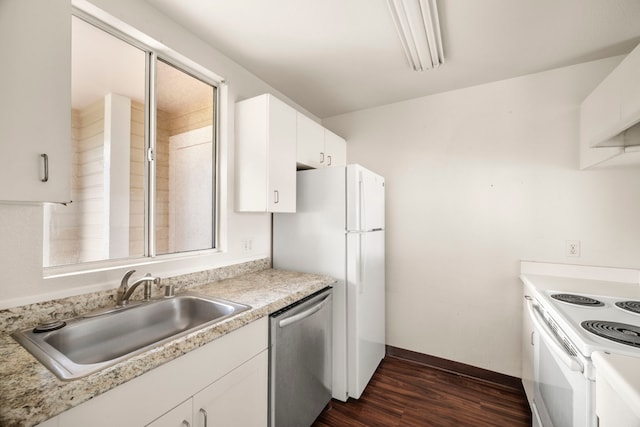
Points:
(478, 179)
(21, 226)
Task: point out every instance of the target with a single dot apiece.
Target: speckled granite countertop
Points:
(30, 393)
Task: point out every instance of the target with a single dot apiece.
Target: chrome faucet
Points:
(125, 290)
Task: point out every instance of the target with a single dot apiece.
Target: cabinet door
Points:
(335, 148)
(180, 416)
(35, 105)
(265, 155)
(310, 143)
(599, 119)
(281, 157)
(237, 399)
(600, 111)
(251, 154)
(611, 409)
(630, 102)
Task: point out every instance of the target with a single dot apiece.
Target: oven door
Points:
(563, 395)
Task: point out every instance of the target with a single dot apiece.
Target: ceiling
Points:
(337, 56)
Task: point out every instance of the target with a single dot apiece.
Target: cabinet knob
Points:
(329, 162)
(321, 157)
(276, 196)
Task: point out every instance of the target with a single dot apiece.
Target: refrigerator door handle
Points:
(360, 267)
(361, 204)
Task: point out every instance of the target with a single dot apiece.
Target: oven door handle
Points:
(552, 341)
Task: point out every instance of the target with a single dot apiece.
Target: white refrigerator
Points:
(338, 230)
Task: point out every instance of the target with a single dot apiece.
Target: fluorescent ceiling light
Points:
(419, 30)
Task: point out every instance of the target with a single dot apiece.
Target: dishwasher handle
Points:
(304, 314)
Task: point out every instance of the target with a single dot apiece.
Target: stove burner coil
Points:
(578, 300)
(618, 332)
(632, 306)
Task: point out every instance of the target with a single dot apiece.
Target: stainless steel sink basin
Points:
(88, 344)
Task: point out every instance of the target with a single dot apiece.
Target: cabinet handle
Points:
(321, 157)
(204, 414)
(329, 157)
(186, 423)
(45, 161)
(276, 196)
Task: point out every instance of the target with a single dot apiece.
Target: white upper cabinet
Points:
(630, 74)
(35, 100)
(272, 141)
(310, 143)
(265, 155)
(335, 149)
(600, 111)
(608, 116)
(318, 147)
(599, 114)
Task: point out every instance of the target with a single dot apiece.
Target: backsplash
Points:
(26, 316)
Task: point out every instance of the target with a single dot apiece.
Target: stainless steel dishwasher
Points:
(300, 366)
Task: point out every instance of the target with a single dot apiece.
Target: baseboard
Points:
(456, 367)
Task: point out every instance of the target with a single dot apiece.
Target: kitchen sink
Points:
(83, 345)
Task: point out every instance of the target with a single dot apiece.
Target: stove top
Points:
(596, 322)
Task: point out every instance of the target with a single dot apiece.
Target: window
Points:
(143, 144)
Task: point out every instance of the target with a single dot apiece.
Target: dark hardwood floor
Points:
(407, 393)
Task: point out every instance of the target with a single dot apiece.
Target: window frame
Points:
(155, 51)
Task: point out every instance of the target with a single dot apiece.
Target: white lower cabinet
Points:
(180, 416)
(617, 390)
(237, 399)
(227, 379)
(527, 346)
(611, 409)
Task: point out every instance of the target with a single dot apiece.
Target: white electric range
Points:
(568, 328)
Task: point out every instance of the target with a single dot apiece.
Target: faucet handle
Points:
(124, 283)
(169, 290)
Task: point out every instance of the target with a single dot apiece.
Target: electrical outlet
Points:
(247, 245)
(572, 248)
